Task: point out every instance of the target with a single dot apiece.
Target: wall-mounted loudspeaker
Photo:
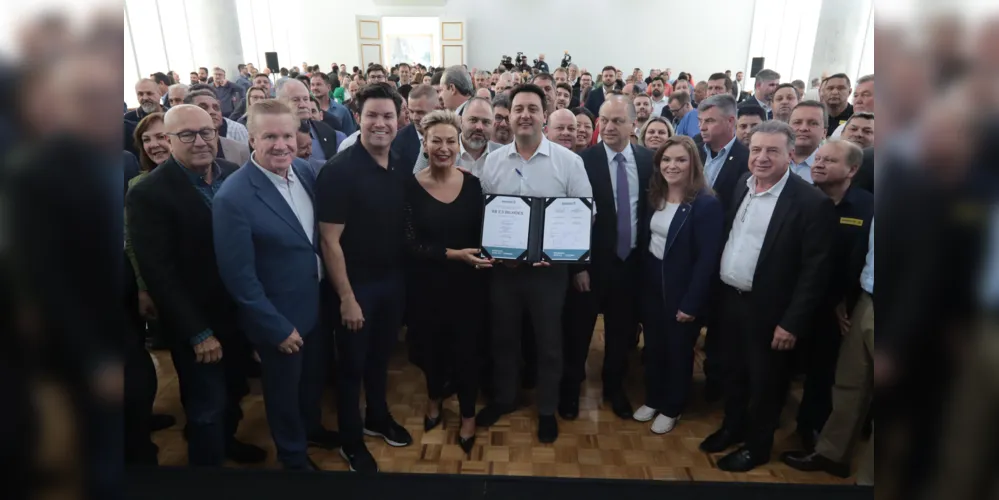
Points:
(757, 67)
(272, 61)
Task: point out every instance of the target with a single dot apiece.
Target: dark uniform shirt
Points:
(855, 212)
(836, 121)
(354, 190)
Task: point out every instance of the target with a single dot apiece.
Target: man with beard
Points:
(860, 130)
(476, 131)
(749, 117)
(834, 93)
(785, 99)
(502, 134)
(766, 84)
(562, 128)
(563, 96)
(148, 94)
(596, 99)
(658, 92)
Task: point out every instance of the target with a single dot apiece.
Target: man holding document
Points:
(531, 166)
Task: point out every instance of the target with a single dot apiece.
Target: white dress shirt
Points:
(804, 169)
(466, 161)
(348, 141)
(745, 240)
(298, 200)
(552, 171)
(236, 131)
(633, 187)
(659, 227)
(657, 107)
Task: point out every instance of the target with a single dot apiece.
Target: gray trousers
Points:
(539, 292)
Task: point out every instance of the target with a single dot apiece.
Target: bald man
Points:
(325, 137)
(198, 314)
(562, 128)
(147, 92)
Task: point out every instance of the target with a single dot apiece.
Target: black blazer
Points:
(752, 101)
(736, 166)
(595, 100)
(327, 136)
(793, 270)
(171, 229)
(864, 178)
(603, 239)
(407, 145)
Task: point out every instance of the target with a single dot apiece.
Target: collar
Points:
(629, 154)
(194, 177)
(810, 160)
(774, 190)
(544, 149)
(463, 153)
(721, 152)
(275, 178)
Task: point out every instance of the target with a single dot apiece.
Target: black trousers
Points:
(758, 376)
(817, 356)
(714, 373)
(140, 390)
(613, 291)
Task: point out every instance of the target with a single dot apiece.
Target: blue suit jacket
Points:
(692, 254)
(264, 257)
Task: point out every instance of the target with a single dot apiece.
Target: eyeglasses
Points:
(188, 136)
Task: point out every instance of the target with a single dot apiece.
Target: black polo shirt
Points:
(836, 121)
(354, 190)
(855, 212)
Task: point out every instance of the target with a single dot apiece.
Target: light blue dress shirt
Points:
(317, 145)
(713, 166)
(689, 124)
(804, 169)
(867, 275)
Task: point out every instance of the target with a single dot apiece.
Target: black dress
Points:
(447, 300)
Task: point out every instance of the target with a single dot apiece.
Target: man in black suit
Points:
(618, 173)
(298, 98)
(170, 220)
(408, 143)
(775, 269)
(767, 81)
(725, 161)
(596, 98)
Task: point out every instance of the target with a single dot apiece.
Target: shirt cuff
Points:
(201, 337)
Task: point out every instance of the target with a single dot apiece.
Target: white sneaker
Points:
(664, 424)
(644, 414)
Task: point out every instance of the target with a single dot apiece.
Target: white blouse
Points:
(659, 227)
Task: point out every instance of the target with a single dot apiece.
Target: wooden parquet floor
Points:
(596, 445)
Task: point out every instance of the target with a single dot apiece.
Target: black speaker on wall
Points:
(756, 68)
(272, 61)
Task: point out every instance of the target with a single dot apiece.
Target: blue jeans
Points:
(364, 355)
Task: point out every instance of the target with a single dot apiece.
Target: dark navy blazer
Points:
(692, 254)
(265, 258)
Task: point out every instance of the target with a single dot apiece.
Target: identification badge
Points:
(849, 221)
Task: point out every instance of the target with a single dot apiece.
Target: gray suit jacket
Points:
(235, 151)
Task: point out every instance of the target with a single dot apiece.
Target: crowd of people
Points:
(286, 223)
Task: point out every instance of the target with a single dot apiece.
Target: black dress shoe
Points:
(547, 428)
(158, 422)
(809, 439)
(741, 460)
(813, 462)
(621, 406)
(328, 440)
(491, 414)
(721, 440)
(568, 403)
(244, 453)
(466, 445)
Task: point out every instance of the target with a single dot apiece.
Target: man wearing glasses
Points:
(170, 219)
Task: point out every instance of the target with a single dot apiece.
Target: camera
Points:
(506, 62)
(566, 60)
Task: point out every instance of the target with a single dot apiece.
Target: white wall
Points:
(646, 33)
